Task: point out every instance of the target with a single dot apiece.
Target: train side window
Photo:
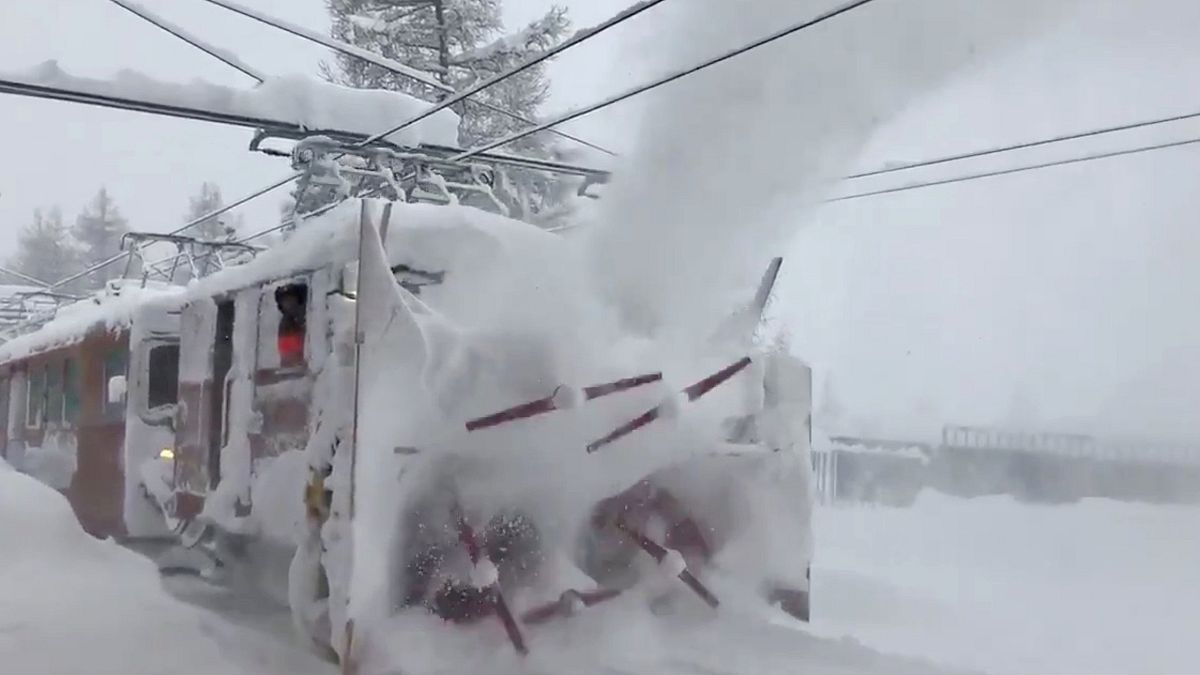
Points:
(70, 410)
(54, 394)
(114, 364)
(163, 384)
(292, 300)
(35, 396)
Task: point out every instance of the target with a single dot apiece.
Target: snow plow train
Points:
(385, 455)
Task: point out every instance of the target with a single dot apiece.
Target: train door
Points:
(193, 462)
(212, 460)
(143, 403)
(222, 362)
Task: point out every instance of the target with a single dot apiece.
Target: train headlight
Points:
(166, 453)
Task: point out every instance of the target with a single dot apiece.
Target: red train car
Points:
(61, 424)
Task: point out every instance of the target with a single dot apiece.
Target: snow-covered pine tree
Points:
(98, 230)
(460, 42)
(47, 251)
(207, 200)
(220, 228)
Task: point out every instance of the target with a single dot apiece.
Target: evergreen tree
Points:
(98, 231)
(207, 200)
(460, 42)
(46, 251)
(218, 228)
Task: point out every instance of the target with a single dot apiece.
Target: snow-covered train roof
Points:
(72, 322)
(299, 100)
(419, 235)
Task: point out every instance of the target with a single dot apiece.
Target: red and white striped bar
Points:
(552, 402)
(692, 392)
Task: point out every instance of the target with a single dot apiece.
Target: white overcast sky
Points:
(1076, 289)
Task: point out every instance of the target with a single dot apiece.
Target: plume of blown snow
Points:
(732, 160)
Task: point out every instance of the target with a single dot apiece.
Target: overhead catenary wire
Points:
(24, 277)
(578, 38)
(336, 45)
(1020, 169)
(402, 69)
(225, 57)
(1129, 126)
(575, 40)
(1044, 165)
(293, 130)
(776, 36)
(186, 226)
(678, 75)
(301, 217)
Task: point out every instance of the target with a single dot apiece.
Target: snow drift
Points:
(1095, 588)
(73, 604)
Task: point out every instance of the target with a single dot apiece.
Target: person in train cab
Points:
(292, 301)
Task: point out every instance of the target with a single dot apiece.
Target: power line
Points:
(575, 40)
(24, 277)
(223, 56)
(1029, 144)
(579, 38)
(390, 65)
(1045, 165)
(229, 207)
(1020, 169)
(289, 130)
(574, 114)
(301, 217)
(336, 45)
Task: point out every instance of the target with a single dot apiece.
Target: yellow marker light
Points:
(166, 453)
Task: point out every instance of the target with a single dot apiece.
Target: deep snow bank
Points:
(1094, 588)
(71, 604)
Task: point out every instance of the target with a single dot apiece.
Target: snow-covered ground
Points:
(991, 585)
(72, 604)
(988, 586)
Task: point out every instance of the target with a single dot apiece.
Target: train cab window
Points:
(114, 364)
(292, 301)
(163, 381)
(35, 396)
(54, 393)
(70, 411)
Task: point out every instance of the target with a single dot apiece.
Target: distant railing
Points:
(1079, 446)
(825, 478)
